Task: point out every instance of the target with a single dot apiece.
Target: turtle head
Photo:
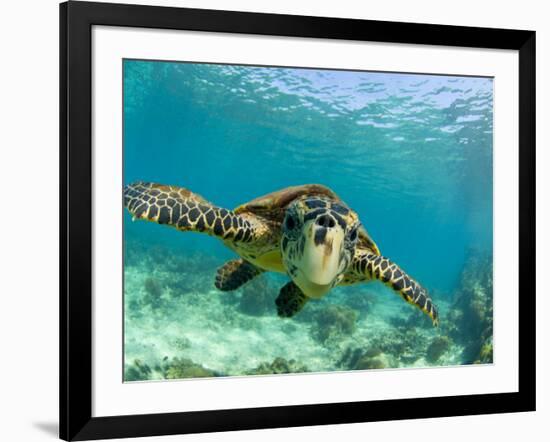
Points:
(318, 242)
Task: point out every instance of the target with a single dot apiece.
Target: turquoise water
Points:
(411, 154)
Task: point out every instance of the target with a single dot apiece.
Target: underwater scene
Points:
(293, 220)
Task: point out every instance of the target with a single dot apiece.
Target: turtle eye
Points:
(290, 223)
(353, 235)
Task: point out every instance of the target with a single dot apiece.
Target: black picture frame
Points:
(76, 21)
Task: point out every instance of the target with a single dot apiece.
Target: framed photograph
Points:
(272, 220)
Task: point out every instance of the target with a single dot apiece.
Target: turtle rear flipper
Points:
(186, 211)
(371, 266)
(235, 273)
(290, 300)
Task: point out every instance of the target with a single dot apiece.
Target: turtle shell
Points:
(365, 241)
(273, 205)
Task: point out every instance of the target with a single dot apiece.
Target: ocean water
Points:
(410, 153)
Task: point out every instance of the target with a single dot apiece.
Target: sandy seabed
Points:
(178, 325)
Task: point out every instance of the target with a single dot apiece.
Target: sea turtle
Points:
(305, 231)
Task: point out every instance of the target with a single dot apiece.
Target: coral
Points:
(180, 368)
(397, 343)
(411, 318)
(138, 371)
(480, 354)
(409, 358)
(333, 323)
(373, 352)
(181, 343)
(401, 347)
(478, 271)
(368, 363)
(470, 320)
(153, 293)
(357, 298)
(349, 358)
(485, 353)
(177, 368)
(437, 348)
(278, 366)
(257, 298)
(171, 300)
(357, 359)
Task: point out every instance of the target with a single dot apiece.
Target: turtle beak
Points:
(324, 242)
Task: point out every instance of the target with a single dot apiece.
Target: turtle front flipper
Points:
(186, 211)
(372, 266)
(290, 300)
(235, 273)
